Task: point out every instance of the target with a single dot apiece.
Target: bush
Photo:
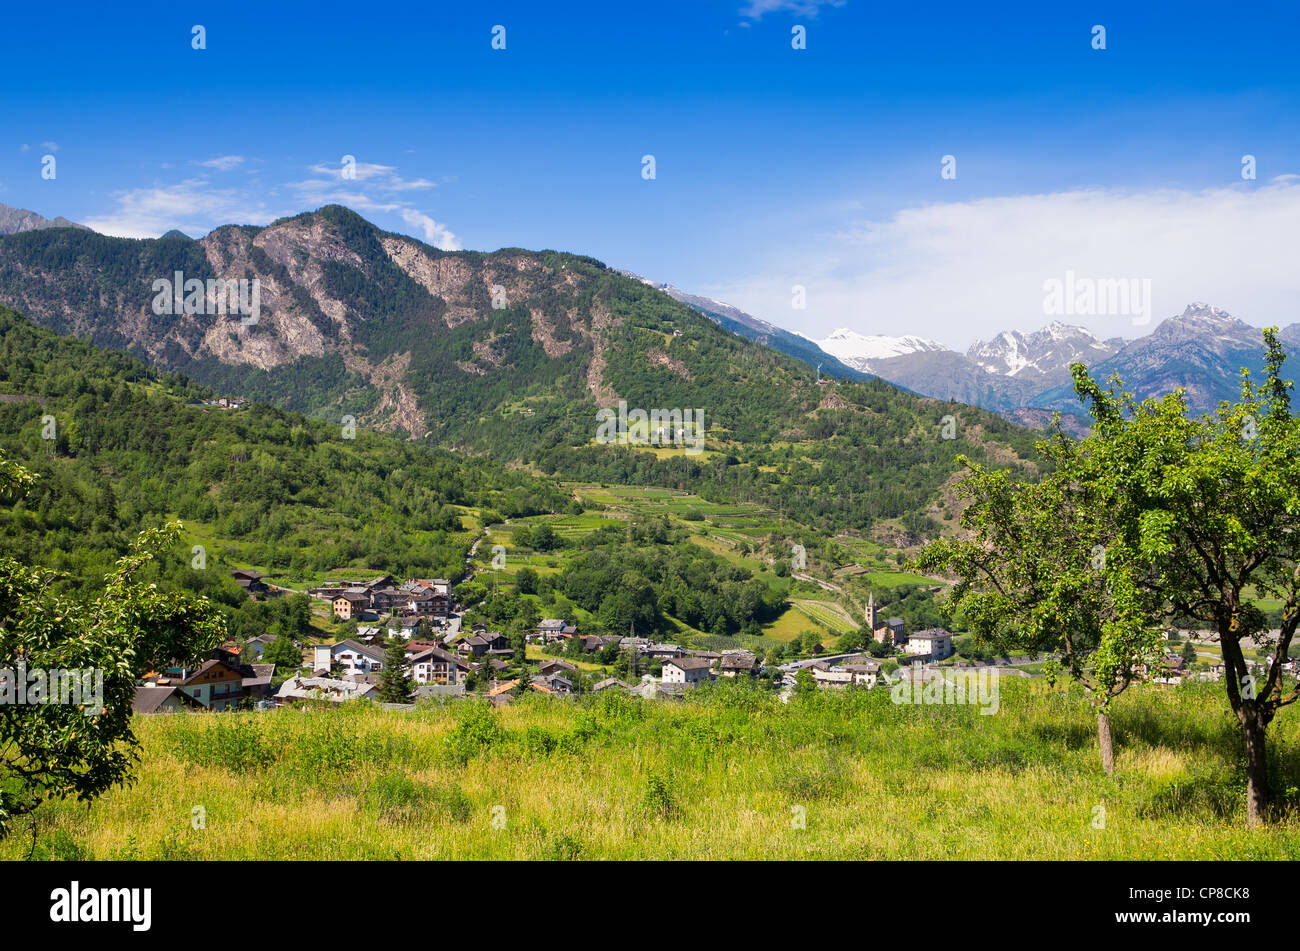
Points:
(659, 799)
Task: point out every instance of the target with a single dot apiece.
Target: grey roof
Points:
(322, 688)
(151, 699)
(930, 634)
(360, 648)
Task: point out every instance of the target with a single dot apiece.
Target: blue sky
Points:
(774, 167)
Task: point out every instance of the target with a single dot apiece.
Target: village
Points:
(440, 659)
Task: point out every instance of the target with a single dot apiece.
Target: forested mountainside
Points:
(118, 447)
(507, 354)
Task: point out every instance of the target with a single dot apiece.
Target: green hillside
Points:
(510, 354)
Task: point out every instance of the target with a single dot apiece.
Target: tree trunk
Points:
(1106, 742)
(1258, 793)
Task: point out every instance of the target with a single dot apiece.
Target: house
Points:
(686, 670)
(433, 585)
(826, 675)
(433, 665)
(214, 685)
(480, 643)
(551, 630)
(934, 643)
(227, 651)
(553, 684)
(608, 683)
(150, 698)
(431, 604)
(352, 656)
(738, 663)
(251, 581)
(555, 667)
(325, 689)
(353, 602)
(496, 690)
(257, 680)
(405, 624)
(663, 651)
(256, 645)
(894, 631)
(864, 675)
(1170, 669)
(635, 644)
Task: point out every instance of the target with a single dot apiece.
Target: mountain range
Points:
(506, 354)
(342, 303)
(1025, 376)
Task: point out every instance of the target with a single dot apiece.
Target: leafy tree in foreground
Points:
(1035, 572)
(52, 750)
(1209, 509)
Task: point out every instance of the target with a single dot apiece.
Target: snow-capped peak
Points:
(857, 349)
(1046, 351)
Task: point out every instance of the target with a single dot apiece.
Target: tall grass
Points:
(728, 773)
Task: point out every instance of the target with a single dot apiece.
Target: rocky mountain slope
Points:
(761, 331)
(14, 220)
(508, 354)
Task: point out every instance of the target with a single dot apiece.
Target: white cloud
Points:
(755, 9)
(374, 188)
(195, 206)
(438, 235)
(223, 163)
(957, 271)
(191, 206)
(50, 146)
(383, 177)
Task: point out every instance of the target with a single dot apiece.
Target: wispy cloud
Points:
(223, 163)
(368, 187)
(955, 271)
(192, 206)
(383, 177)
(755, 9)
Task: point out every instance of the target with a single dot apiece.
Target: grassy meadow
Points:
(728, 774)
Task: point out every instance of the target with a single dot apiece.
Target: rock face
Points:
(16, 220)
(356, 321)
(1044, 356)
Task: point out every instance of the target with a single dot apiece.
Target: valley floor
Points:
(730, 773)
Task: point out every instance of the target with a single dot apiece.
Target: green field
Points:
(727, 774)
